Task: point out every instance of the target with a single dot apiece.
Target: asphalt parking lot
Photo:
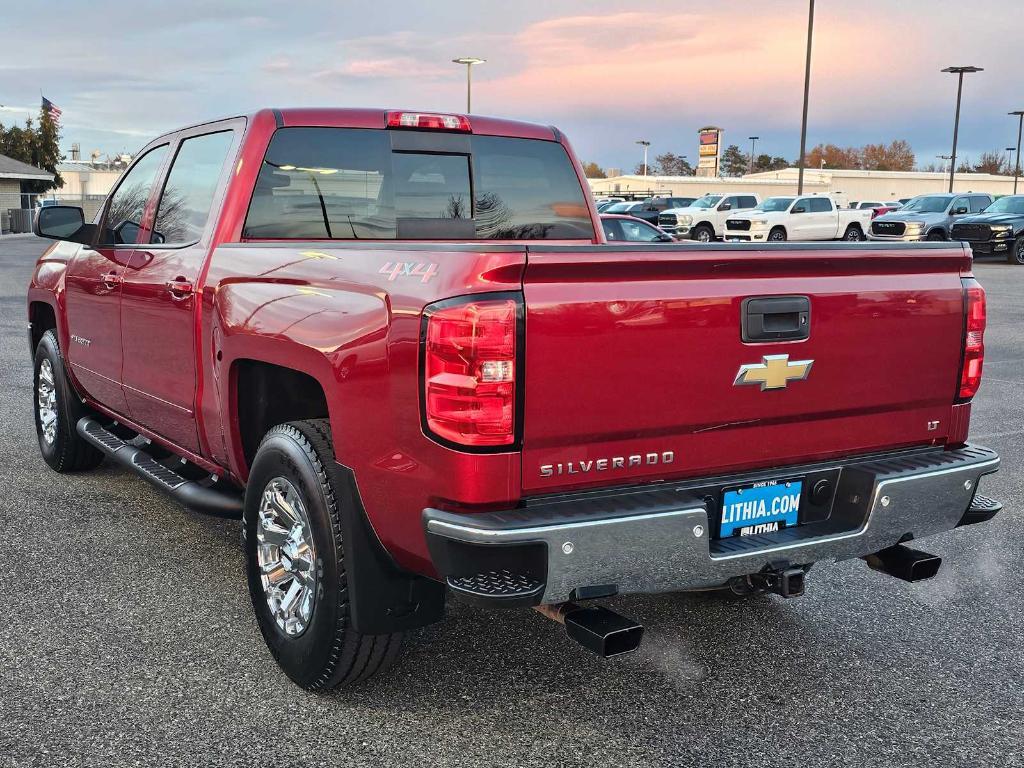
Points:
(127, 637)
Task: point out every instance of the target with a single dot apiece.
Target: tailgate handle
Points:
(776, 318)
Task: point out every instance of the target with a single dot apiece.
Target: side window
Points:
(748, 202)
(960, 202)
(979, 204)
(188, 194)
(820, 205)
(612, 231)
(638, 232)
(805, 203)
(123, 218)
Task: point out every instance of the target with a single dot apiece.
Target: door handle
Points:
(179, 288)
(111, 279)
(776, 318)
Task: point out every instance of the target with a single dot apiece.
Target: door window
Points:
(188, 194)
(638, 232)
(612, 230)
(820, 205)
(804, 203)
(123, 219)
(979, 204)
(748, 202)
(960, 202)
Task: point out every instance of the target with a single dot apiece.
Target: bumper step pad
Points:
(983, 508)
(496, 586)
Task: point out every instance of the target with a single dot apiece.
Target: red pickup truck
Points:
(397, 345)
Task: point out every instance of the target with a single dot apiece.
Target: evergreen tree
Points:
(36, 146)
(46, 154)
(733, 162)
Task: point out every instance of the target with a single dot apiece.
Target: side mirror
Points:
(666, 239)
(959, 211)
(63, 222)
(725, 207)
(799, 209)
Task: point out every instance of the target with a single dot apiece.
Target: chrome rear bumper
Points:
(658, 539)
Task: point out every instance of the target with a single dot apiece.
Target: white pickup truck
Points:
(798, 218)
(704, 219)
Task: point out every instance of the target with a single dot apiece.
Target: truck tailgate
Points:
(633, 356)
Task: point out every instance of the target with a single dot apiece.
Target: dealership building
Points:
(845, 185)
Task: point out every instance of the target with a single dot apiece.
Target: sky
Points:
(607, 73)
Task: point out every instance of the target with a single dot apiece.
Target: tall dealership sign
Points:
(709, 150)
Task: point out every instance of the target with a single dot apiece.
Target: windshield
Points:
(928, 204)
(708, 201)
(775, 204)
(617, 208)
(1013, 204)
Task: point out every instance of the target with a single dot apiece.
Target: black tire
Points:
(936, 235)
(853, 234)
(62, 447)
(1016, 254)
(777, 235)
(328, 652)
(703, 233)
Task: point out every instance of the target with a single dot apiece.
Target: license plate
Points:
(763, 507)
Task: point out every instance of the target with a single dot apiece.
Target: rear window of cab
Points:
(353, 184)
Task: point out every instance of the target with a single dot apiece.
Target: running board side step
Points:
(190, 493)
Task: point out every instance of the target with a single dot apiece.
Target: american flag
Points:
(52, 109)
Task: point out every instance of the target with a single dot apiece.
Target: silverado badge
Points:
(773, 372)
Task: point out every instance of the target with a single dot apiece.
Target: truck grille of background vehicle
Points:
(667, 218)
(738, 224)
(500, 584)
(972, 232)
(888, 228)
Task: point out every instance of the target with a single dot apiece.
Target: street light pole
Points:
(469, 61)
(959, 71)
(1020, 125)
(943, 158)
(807, 93)
(645, 144)
(753, 143)
(1009, 157)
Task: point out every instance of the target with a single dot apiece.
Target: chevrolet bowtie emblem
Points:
(773, 372)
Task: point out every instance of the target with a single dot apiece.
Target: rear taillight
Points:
(469, 372)
(431, 121)
(974, 338)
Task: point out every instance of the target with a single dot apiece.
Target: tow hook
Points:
(780, 578)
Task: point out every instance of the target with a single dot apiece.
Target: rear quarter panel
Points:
(349, 316)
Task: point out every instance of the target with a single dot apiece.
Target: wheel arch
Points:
(264, 394)
(42, 317)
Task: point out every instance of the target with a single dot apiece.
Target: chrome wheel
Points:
(46, 402)
(1020, 250)
(287, 556)
(703, 235)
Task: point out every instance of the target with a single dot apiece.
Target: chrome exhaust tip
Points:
(904, 563)
(598, 629)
